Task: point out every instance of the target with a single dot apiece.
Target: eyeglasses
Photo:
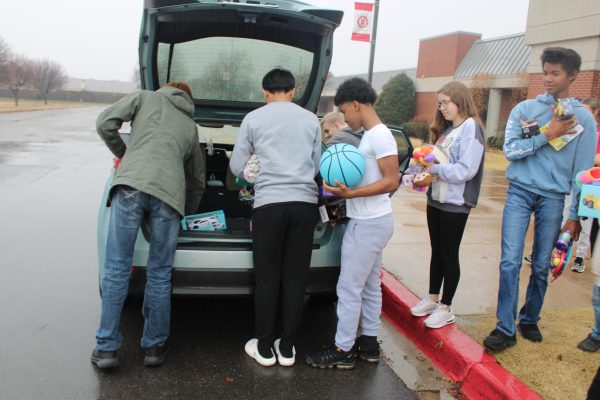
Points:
(443, 104)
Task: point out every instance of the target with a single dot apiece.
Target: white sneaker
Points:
(424, 307)
(252, 350)
(284, 361)
(442, 316)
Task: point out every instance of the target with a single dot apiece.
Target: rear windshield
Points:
(230, 68)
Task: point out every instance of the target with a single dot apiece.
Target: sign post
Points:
(364, 17)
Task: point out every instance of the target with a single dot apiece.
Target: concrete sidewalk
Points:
(406, 258)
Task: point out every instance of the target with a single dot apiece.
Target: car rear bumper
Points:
(203, 282)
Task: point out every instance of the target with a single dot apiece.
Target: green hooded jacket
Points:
(163, 156)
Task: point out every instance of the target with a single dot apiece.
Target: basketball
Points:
(343, 162)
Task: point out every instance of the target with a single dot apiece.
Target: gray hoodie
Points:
(287, 141)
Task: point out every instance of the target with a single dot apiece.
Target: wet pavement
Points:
(52, 173)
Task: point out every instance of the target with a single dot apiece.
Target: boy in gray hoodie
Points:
(287, 141)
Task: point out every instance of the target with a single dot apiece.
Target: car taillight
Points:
(116, 163)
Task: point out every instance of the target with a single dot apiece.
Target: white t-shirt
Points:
(376, 143)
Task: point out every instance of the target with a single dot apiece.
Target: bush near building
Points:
(396, 103)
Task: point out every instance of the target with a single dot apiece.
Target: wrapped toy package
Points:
(589, 198)
(210, 221)
(564, 110)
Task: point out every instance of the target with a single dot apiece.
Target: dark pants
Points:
(283, 237)
(594, 390)
(445, 233)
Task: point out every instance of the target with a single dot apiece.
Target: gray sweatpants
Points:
(359, 284)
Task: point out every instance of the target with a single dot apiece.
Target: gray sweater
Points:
(287, 140)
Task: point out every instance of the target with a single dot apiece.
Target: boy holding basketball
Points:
(368, 232)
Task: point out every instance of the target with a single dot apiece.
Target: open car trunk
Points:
(222, 49)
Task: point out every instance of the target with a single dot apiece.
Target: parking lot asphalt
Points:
(52, 172)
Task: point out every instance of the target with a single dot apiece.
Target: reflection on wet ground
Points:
(49, 294)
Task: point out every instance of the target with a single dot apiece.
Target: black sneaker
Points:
(156, 355)
(331, 357)
(497, 341)
(531, 332)
(105, 359)
(367, 348)
(589, 344)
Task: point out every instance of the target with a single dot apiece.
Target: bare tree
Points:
(4, 58)
(18, 74)
(520, 88)
(480, 90)
(47, 75)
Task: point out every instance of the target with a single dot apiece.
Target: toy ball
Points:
(343, 162)
(424, 155)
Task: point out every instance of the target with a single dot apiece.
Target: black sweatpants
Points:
(283, 237)
(445, 233)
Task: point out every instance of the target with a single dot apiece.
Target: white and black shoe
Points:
(284, 361)
(578, 265)
(251, 349)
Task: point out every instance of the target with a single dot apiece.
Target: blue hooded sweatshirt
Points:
(535, 165)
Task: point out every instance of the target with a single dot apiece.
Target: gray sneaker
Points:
(578, 265)
(589, 344)
(105, 359)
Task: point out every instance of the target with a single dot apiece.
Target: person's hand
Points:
(340, 190)
(558, 127)
(574, 227)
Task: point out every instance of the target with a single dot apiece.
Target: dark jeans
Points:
(283, 237)
(445, 233)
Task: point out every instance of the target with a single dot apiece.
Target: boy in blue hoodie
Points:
(539, 179)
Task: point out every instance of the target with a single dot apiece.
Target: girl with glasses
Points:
(458, 132)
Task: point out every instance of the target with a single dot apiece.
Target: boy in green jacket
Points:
(161, 178)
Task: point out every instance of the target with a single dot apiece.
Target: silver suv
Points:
(222, 49)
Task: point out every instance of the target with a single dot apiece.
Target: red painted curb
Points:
(454, 352)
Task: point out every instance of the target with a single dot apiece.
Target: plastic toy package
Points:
(589, 197)
(564, 110)
(561, 255)
(335, 207)
(210, 221)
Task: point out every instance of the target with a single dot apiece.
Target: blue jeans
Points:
(129, 206)
(596, 304)
(520, 204)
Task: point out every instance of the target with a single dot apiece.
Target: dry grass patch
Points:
(8, 105)
(555, 368)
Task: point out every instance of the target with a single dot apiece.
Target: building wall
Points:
(574, 24)
(425, 106)
(505, 108)
(441, 55)
(438, 59)
(587, 84)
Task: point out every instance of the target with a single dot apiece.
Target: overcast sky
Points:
(98, 39)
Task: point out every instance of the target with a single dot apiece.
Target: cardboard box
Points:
(210, 221)
(589, 201)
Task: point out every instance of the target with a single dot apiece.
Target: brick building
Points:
(505, 64)
(508, 66)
